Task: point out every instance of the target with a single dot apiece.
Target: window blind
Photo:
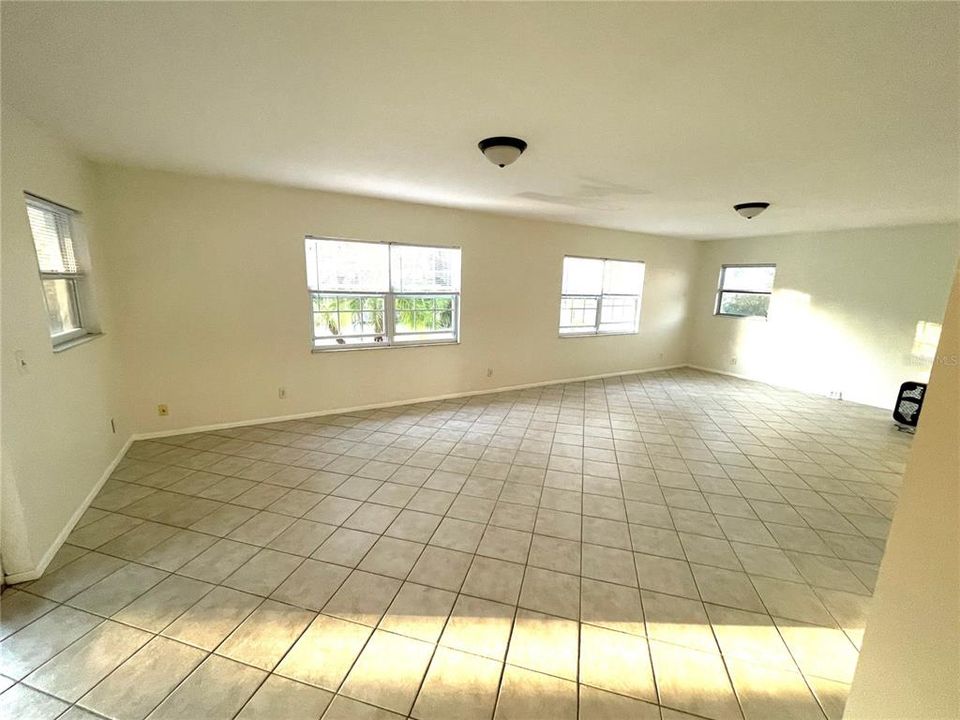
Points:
(52, 228)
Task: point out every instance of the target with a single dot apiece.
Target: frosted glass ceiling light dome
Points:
(751, 209)
(502, 151)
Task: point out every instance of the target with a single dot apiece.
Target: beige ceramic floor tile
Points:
(325, 652)
(389, 671)
(363, 598)
(136, 687)
(458, 685)
(392, 557)
(302, 538)
(345, 547)
(117, 590)
(494, 580)
(311, 585)
(282, 699)
(441, 568)
(752, 637)
(600, 705)
(216, 563)
(617, 662)
(792, 600)
(768, 693)
(479, 626)
(821, 651)
(82, 665)
(677, 620)
(20, 609)
(21, 701)
(76, 576)
(157, 608)
(665, 575)
(419, 612)
(344, 708)
(528, 695)
(461, 535)
(263, 573)
(693, 681)
(611, 606)
(215, 616)
(265, 636)
(214, 691)
(551, 592)
(609, 564)
(726, 587)
(544, 643)
(32, 646)
(831, 694)
(177, 550)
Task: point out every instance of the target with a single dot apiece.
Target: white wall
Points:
(844, 312)
(910, 663)
(55, 426)
(215, 313)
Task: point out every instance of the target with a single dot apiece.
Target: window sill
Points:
(381, 346)
(82, 340)
(741, 317)
(594, 335)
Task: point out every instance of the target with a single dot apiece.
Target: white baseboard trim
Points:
(55, 546)
(393, 403)
(714, 371)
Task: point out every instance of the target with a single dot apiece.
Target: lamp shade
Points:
(751, 209)
(502, 151)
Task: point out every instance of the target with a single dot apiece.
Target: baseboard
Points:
(41, 566)
(714, 371)
(394, 403)
(805, 391)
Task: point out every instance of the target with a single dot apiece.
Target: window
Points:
(745, 290)
(366, 294)
(54, 230)
(600, 296)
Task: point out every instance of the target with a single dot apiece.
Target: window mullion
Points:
(456, 315)
(388, 316)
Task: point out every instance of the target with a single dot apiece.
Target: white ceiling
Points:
(654, 117)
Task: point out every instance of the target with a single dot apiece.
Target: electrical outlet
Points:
(282, 393)
(835, 395)
(733, 360)
(489, 372)
(163, 410)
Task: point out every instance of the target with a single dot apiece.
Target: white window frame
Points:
(391, 338)
(599, 301)
(721, 290)
(76, 281)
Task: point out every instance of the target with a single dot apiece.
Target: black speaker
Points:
(906, 411)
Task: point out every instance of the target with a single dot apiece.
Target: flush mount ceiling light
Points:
(752, 209)
(502, 151)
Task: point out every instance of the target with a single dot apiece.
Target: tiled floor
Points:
(669, 545)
